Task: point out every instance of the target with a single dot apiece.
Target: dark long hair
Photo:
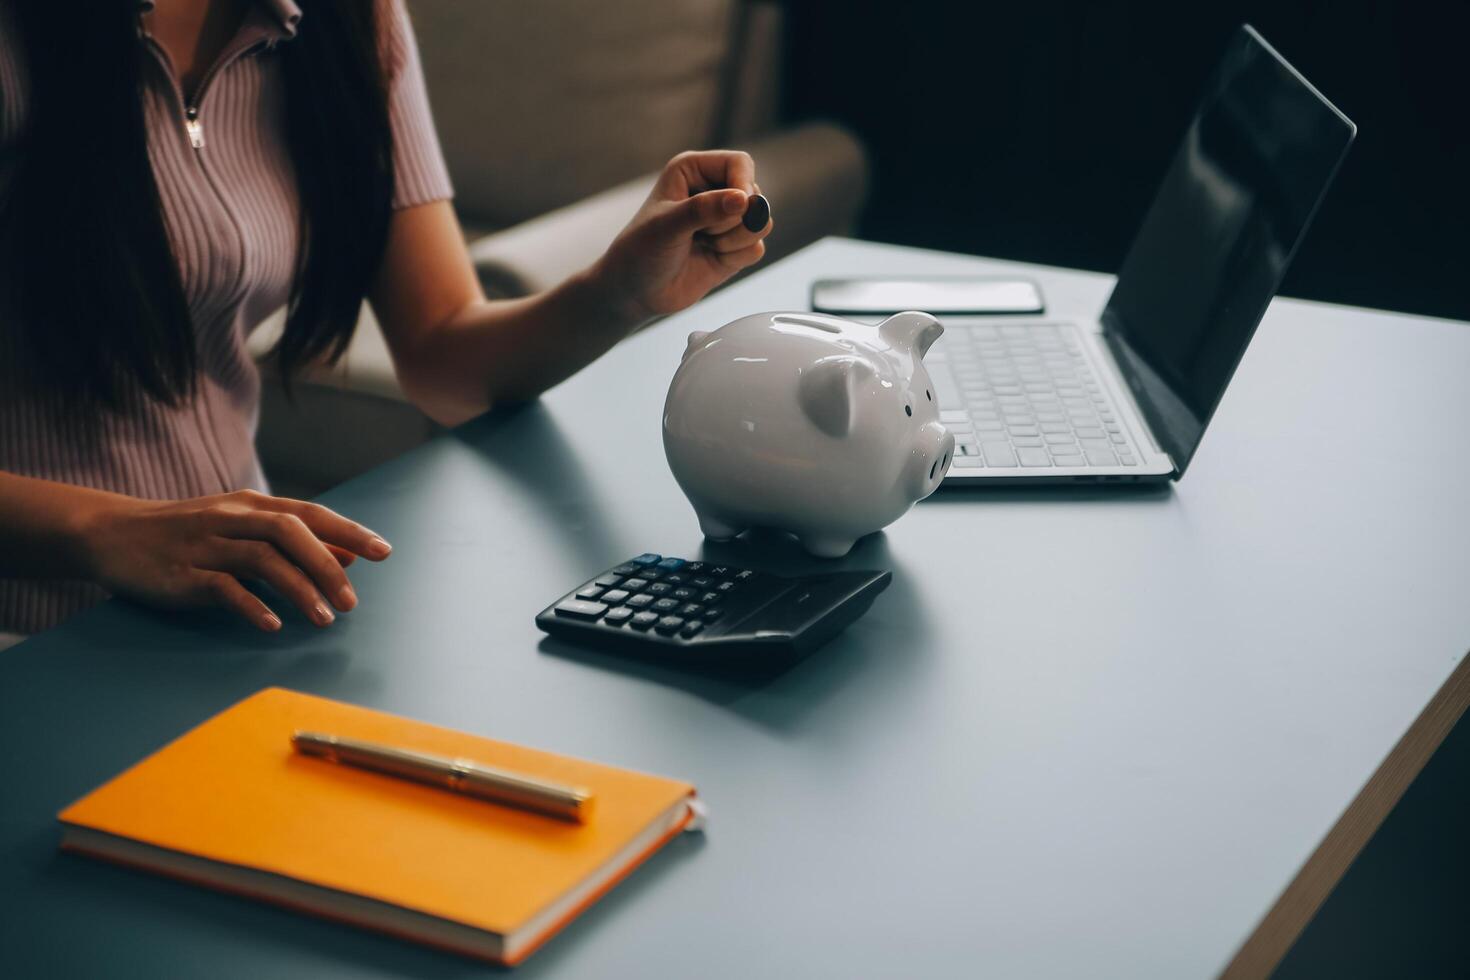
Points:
(87, 261)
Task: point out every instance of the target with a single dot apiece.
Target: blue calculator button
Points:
(671, 564)
(647, 558)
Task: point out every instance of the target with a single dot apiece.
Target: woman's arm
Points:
(182, 553)
(456, 353)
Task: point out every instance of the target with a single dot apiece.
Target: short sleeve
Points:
(418, 162)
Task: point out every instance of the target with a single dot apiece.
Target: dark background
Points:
(1038, 131)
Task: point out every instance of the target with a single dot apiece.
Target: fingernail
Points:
(346, 598)
(322, 614)
(271, 622)
(734, 202)
(378, 548)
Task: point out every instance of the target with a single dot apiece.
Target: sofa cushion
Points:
(521, 91)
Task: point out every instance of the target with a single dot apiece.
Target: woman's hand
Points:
(189, 553)
(687, 238)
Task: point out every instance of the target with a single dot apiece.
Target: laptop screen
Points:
(1242, 187)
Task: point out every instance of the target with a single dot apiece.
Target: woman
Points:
(171, 172)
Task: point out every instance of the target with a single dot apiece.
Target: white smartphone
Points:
(967, 295)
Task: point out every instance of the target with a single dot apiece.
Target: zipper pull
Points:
(193, 128)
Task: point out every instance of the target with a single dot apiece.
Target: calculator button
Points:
(745, 575)
(580, 609)
(634, 584)
(669, 624)
(725, 587)
(694, 567)
(691, 628)
(614, 596)
(651, 572)
(626, 568)
(690, 609)
(618, 615)
(720, 571)
(639, 601)
(589, 592)
(679, 594)
(665, 605)
(660, 588)
(643, 620)
(713, 613)
(607, 581)
(709, 597)
(676, 579)
(647, 558)
(671, 564)
(702, 582)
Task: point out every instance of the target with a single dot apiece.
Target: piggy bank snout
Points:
(932, 453)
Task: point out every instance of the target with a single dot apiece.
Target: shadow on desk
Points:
(783, 697)
(527, 445)
(999, 493)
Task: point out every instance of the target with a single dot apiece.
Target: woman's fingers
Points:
(735, 261)
(697, 170)
(294, 540)
(225, 590)
(736, 238)
(343, 556)
(262, 560)
(711, 212)
(329, 526)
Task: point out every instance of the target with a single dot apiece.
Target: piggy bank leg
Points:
(826, 545)
(716, 529)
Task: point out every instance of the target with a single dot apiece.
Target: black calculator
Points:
(703, 612)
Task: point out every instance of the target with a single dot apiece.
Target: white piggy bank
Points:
(812, 424)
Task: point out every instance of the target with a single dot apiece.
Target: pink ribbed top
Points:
(231, 209)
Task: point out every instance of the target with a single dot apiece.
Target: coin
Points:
(757, 212)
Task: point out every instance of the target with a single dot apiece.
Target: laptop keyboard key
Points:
(999, 454)
(1034, 457)
(1098, 458)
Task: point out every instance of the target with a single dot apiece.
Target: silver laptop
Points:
(1127, 398)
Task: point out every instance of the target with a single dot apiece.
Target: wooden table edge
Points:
(1274, 935)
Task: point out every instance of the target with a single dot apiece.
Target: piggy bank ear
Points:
(911, 331)
(696, 339)
(827, 391)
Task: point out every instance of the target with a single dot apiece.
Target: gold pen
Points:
(457, 775)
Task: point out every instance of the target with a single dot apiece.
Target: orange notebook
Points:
(232, 806)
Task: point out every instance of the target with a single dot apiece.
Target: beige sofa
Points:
(555, 115)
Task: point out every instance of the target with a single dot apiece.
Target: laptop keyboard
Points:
(1024, 397)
